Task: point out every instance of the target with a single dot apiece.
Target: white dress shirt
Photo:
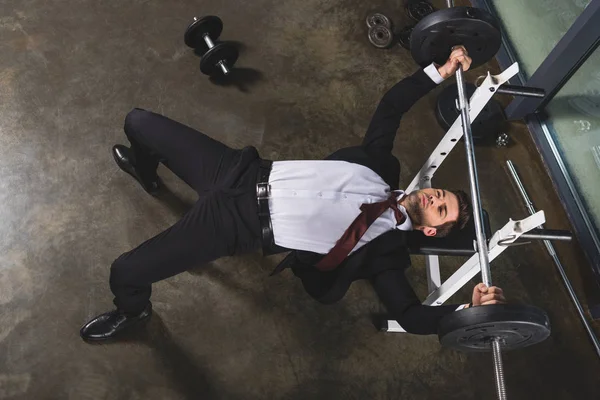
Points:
(313, 202)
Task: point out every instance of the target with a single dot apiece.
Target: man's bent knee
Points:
(135, 120)
(120, 272)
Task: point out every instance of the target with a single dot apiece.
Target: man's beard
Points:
(413, 208)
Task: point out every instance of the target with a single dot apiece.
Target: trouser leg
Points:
(197, 159)
(222, 223)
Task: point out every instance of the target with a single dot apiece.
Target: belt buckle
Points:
(263, 190)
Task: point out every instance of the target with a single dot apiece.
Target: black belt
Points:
(263, 191)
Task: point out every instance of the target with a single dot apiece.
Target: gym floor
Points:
(308, 83)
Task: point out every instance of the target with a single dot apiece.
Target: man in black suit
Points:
(343, 218)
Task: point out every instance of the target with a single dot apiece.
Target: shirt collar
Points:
(407, 224)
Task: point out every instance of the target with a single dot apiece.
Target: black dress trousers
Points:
(223, 222)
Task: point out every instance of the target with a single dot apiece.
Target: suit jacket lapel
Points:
(330, 286)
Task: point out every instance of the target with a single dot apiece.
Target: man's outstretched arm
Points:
(403, 305)
(403, 95)
(397, 101)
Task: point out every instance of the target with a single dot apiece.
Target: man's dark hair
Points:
(464, 214)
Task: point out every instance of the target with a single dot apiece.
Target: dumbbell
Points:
(201, 35)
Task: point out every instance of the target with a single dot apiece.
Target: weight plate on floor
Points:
(380, 36)
(404, 37)
(224, 51)
(194, 34)
(378, 19)
(418, 10)
(484, 128)
(473, 329)
(434, 36)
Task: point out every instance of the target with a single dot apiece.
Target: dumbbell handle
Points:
(221, 63)
(209, 42)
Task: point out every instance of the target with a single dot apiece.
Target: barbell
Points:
(492, 327)
(432, 40)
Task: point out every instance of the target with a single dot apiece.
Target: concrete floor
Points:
(69, 73)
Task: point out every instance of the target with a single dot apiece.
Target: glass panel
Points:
(533, 27)
(574, 123)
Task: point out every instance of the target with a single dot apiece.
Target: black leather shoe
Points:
(108, 325)
(122, 156)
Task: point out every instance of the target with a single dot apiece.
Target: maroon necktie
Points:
(370, 212)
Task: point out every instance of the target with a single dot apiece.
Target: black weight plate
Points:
(488, 123)
(378, 19)
(404, 37)
(224, 51)
(474, 328)
(434, 36)
(380, 36)
(418, 10)
(194, 34)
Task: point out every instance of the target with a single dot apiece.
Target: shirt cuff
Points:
(433, 73)
(461, 307)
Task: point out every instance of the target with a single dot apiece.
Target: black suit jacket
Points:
(383, 260)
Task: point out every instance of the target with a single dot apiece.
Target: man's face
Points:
(428, 208)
